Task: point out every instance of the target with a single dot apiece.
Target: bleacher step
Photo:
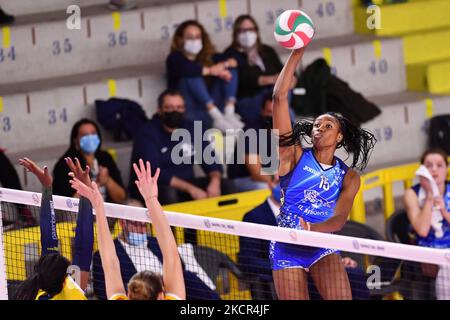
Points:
(427, 46)
(402, 127)
(42, 45)
(370, 65)
(51, 110)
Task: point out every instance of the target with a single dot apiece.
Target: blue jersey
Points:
(431, 240)
(309, 191)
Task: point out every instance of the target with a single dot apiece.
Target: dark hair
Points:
(434, 151)
(237, 24)
(145, 285)
(48, 275)
(205, 55)
(165, 93)
(355, 140)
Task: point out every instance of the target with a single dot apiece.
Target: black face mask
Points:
(172, 119)
(268, 121)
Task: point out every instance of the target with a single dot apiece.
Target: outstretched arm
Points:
(281, 117)
(49, 235)
(84, 232)
(172, 268)
(110, 261)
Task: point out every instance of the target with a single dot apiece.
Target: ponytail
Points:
(28, 289)
(356, 140)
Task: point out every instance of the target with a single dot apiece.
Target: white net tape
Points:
(258, 231)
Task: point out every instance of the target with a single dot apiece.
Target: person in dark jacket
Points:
(8, 175)
(137, 251)
(176, 158)
(85, 145)
(19, 215)
(258, 66)
(207, 81)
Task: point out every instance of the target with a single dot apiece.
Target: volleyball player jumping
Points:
(50, 280)
(144, 285)
(318, 190)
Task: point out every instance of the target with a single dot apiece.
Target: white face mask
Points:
(247, 39)
(193, 46)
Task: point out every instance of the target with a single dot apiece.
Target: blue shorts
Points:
(286, 255)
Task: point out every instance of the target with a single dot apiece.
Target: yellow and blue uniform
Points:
(84, 239)
(309, 192)
(70, 291)
(122, 296)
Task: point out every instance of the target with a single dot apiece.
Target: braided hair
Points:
(356, 140)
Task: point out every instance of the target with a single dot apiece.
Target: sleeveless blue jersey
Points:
(309, 191)
(430, 240)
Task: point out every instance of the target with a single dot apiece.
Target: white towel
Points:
(436, 218)
(186, 251)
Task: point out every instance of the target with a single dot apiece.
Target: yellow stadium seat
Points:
(429, 77)
(427, 46)
(406, 18)
(231, 207)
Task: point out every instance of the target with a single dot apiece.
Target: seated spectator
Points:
(137, 252)
(248, 171)
(253, 257)
(430, 217)
(153, 143)
(85, 147)
(207, 81)
(258, 67)
(19, 215)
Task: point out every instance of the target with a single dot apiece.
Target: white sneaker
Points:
(232, 117)
(235, 121)
(219, 120)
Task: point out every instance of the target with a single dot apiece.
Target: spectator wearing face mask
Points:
(176, 157)
(207, 81)
(137, 251)
(258, 67)
(85, 147)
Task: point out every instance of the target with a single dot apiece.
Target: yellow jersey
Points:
(71, 291)
(121, 296)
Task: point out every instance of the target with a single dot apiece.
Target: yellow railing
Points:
(384, 178)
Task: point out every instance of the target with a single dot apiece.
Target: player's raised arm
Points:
(49, 236)
(172, 269)
(84, 232)
(281, 117)
(110, 261)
